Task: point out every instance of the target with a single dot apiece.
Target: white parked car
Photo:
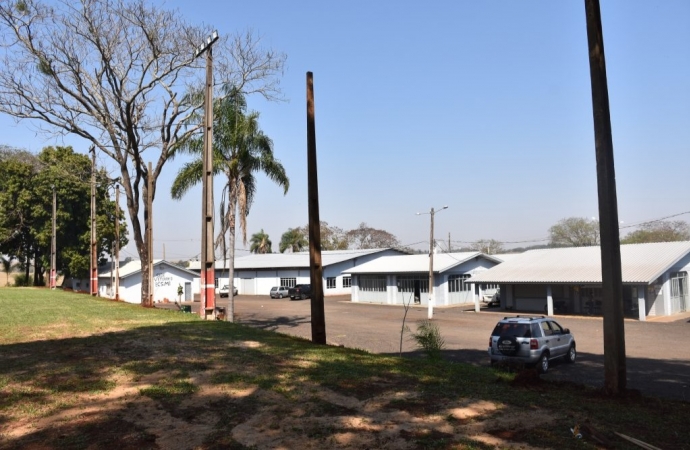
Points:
(225, 291)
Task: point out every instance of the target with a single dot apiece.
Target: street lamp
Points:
(431, 261)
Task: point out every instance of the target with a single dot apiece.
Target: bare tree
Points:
(488, 246)
(122, 75)
(575, 232)
(366, 237)
(659, 231)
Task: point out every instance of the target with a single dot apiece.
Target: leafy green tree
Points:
(574, 232)
(26, 211)
(260, 243)
(662, 231)
(294, 240)
(240, 150)
(118, 73)
(488, 246)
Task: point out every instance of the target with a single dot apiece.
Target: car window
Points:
(557, 329)
(512, 329)
(546, 329)
(535, 330)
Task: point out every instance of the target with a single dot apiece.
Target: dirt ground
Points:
(311, 418)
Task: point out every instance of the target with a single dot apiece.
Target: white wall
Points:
(166, 279)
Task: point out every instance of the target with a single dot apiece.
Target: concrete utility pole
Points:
(53, 244)
(208, 291)
(94, 254)
(615, 377)
(149, 240)
(116, 282)
(430, 302)
(318, 315)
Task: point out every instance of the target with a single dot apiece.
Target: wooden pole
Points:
(53, 244)
(93, 282)
(208, 291)
(611, 274)
(430, 301)
(318, 316)
(117, 243)
(150, 233)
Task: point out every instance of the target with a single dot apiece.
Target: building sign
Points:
(162, 280)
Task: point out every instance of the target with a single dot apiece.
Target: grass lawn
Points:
(84, 373)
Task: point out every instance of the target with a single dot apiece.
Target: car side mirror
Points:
(566, 331)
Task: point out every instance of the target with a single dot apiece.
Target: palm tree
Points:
(240, 149)
(293, 239)
(260, 243)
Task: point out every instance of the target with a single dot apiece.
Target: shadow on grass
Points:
(187, 371)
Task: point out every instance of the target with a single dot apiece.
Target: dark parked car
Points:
(300, 291)
(279, 292)
(531, 341)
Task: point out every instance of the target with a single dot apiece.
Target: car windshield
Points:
(512, 329)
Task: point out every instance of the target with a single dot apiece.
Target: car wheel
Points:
(543, 364)
(302, 297)
(280, 295)
(572, 354)
(507, 345)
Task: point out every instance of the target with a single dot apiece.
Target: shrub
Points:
(22, 280)
(428, 338)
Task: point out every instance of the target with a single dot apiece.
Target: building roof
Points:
(132, 267)
(417, 263)
(290, 260)
(505, 256)
(640, 263)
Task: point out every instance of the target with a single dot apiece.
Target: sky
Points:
(481, 106)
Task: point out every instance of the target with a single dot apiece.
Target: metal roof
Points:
(290, 260)
(640, 263)
(416, 263)
(134, 266)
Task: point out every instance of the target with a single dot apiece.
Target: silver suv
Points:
(531, 341)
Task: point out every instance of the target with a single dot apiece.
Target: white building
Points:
(404, 279)
(166, 277)
(568, 280)
(256, 274)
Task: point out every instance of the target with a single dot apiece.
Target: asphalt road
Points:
(657, 352)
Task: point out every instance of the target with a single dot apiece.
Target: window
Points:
(288, 282)
(347, 282)
(215, 282)
(407, 284)
(330, 283)
(372, 284)
(456, 283)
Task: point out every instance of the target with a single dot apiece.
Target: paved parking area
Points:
(658, 354)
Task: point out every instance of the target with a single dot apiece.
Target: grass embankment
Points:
(78, 372)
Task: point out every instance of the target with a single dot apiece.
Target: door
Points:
(187, 292)
(679, 292)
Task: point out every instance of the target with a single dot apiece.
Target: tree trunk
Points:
(232, 214)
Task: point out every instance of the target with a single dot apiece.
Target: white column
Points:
(641, 303)
(549, 301)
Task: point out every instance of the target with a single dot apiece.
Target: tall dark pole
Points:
(318, 316)
(53, 244)
(149, 200)
(611, 274)
(94, 261)
(208, 260)
(430, 302)
(117, 243)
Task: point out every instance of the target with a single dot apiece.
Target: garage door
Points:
(247, 286)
